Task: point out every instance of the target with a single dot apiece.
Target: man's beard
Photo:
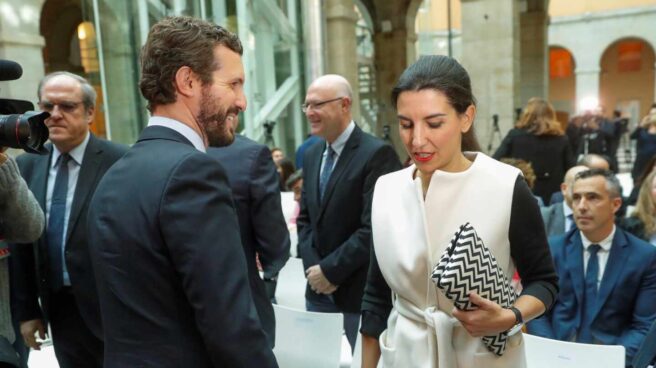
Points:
(212, 119)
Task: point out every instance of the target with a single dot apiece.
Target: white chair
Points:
(307, 339)
(547, 353)
(290, 290)
(288, 205)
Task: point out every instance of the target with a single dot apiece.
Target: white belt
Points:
(441, 324)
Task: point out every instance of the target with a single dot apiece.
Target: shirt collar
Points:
(181, 128)
(339, 143)
(77, 153)
(605, 244)
(567, 210)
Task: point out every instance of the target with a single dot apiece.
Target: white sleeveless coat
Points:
(410, 234)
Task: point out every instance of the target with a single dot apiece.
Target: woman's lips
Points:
(423, 156)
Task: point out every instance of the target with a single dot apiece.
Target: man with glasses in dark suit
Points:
(334, 224)
(56, 271)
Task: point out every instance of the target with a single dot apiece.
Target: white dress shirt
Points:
(569, 219)
(337, 146)
(602, 254)
(181, 128)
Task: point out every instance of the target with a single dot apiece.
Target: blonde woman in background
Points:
(642, 222)
(539, 139)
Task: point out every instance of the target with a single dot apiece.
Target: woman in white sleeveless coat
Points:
(406, 321)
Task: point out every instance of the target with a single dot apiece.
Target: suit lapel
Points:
(39, 187)
(619, 252)
(313, 175)
(343, 162)
(85, 180)
(574, 264)
(39, 182)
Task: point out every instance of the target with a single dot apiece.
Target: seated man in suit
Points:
(591, 161)
(559, 218)
(607, 277)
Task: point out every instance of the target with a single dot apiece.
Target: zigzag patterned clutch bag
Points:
(468, 266)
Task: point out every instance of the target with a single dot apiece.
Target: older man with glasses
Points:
(57, 269)
(334, 226)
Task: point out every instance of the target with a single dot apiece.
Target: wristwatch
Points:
(519, 322)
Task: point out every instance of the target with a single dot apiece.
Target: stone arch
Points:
(562, 81)
(58, 26)
(627, 77)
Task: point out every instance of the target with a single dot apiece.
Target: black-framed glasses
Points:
(64, 106)
(317, 105)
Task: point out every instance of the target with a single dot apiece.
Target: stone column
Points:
(20, 41)
(342, 57)
(534, 66)
(587, 84)
(490, 53)
(388, 70)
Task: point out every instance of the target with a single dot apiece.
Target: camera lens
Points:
(26, 131)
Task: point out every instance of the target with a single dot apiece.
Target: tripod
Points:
(495, 132)
(268, 133)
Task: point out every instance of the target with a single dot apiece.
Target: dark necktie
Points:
(327, 170)
(591, 277)
(55, 230)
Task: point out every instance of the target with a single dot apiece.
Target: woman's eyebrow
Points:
(438, 115)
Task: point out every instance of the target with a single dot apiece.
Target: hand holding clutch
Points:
(467, 266)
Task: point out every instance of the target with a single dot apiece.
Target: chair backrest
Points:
(547, 353)
(307, 339)
(290, 290)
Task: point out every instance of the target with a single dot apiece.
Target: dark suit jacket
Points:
(255, 185)
(626, 305)
(169, 262)
(32, 263)
(554, 219)
(549, 155)
(647, 352)
(336, 233)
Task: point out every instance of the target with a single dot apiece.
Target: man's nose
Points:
(241, 102)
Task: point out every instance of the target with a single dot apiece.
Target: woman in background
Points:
(642, 222)
(645, 136)
(539, 139)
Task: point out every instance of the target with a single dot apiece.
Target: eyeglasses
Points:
(317, 105)
(64, 106)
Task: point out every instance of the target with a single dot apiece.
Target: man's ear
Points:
(616, 203)
(91, 113)
(185, 81)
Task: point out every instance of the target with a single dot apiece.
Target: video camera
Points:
(20, 126)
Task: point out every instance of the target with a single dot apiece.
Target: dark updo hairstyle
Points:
(446, 75)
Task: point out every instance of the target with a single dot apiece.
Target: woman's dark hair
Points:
(286, 168)
(446, 75)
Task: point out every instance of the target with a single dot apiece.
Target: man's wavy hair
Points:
(175, 42)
